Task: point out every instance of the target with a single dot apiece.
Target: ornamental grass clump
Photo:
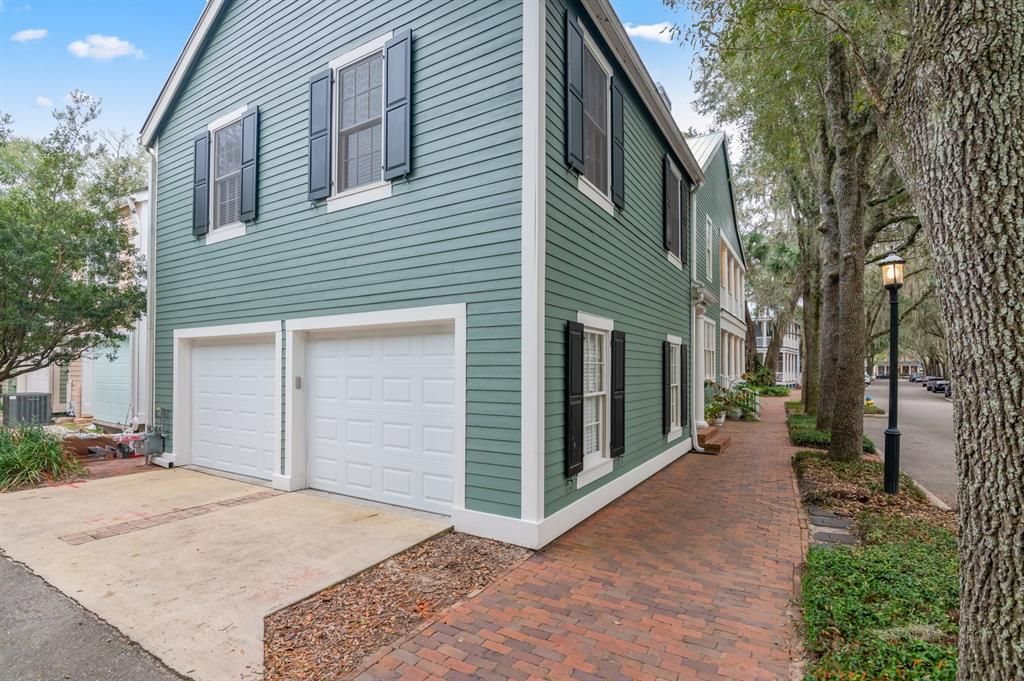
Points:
(30, 456)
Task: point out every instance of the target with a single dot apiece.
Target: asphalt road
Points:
(926, 443)
(45, 636)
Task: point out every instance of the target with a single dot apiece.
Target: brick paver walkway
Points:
(689, 576)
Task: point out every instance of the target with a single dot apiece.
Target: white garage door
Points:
(381, 416)
(233, 427)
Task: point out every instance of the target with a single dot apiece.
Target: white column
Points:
(698, 368)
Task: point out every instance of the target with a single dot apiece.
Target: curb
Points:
(932, 499)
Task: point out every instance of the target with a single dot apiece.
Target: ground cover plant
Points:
(31, 456)
(885, 609)
(802, 433)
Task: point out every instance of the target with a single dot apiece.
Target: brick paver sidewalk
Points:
(689, 576)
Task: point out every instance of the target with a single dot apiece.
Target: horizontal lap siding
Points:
(449, 234)
(610, 267)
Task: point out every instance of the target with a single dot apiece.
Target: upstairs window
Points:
(360, 129)
(227, 174)
(596, 118)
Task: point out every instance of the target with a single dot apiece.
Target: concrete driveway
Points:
(188, 564)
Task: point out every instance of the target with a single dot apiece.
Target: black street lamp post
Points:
(892, 279)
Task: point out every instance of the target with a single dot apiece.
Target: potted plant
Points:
(714, 412)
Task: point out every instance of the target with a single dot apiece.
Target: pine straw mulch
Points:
(852, 488)
(328, 634)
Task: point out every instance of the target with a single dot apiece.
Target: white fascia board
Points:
(410, 315)
(229, 330)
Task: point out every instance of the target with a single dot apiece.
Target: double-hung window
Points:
(710, 338)
(227, 174)
(708, 247)
(675, 387)
(360, 127)
(595, 180)
(597, 416)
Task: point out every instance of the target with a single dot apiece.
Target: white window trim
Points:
(709, 231)
(602, 197)
(677, 432)
(357, 196)
(672, 257)
(235, 229)
(599, 464)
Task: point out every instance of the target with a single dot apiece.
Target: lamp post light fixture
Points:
(892, 278)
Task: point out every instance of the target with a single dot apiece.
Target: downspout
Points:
(151, 291)
(694, 443)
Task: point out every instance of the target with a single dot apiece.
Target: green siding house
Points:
(437, 255)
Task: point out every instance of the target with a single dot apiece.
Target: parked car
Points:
(925, 379)
(916, 377)
(940, 386)
(933, 383)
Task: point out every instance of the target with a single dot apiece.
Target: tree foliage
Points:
(71, 278)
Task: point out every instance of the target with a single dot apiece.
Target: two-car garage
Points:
(367, 405)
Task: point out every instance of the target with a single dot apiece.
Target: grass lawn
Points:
(802, 433)
(885, 609)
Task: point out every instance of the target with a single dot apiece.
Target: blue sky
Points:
(123, 50)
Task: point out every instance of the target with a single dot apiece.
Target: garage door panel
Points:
(233, 408)
(393, 395)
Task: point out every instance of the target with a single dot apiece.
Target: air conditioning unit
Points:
(27, 409)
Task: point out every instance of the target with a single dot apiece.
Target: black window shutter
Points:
(398, 105)
(320, 136)
(684, 394)
(671, 207)
(574, 398)
(666, 387)
(573, 93)
(684, 220)
(201, 185)
(618, 425)
(250, 151)
(618, 159)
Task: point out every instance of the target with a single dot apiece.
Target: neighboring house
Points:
(115, 380)
(435, 256)
(907, 365)
(789, 365)
(720, 261)
(62, 383)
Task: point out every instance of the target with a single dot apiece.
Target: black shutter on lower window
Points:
(684, 394)
(618, 151)
(573, 93)
(618, 424)
(573, 398)
(398, 105)
(670, 209)
(201, 185)
(250, 152)
(320, 136)
(666, 387)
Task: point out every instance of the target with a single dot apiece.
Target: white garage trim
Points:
(295, 461)
(184, 341)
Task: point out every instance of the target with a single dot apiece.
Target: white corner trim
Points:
(594, 472)
(404, 316)
(536, 534)
(181, 380)
(595, 195)
(364, 50)
(674, 340)
(231, 117)
(532, 264)
(217, 234)
(595, 322)
(359, 196)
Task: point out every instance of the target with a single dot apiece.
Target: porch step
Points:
(717, 445)
(706, 434)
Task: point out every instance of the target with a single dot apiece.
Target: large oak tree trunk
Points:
(955, 126)
(853, 142)
(809, 339)
(828, 325)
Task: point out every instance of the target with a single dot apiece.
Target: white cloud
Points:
(659, 33)
(29, 34)
(44, 102)
(103, 48)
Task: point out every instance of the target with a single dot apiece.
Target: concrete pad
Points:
(194, 591)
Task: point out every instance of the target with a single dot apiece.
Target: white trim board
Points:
(536, 534)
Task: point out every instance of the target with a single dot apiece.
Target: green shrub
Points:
(761, 376)
(803, 433)
(886, 609)
(794, 407)
(771, 390)
(31, 455)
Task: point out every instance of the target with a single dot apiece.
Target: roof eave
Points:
(614, 33)
(195, 42)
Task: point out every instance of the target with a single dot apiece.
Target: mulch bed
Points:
(853, 488)
(327, 635)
